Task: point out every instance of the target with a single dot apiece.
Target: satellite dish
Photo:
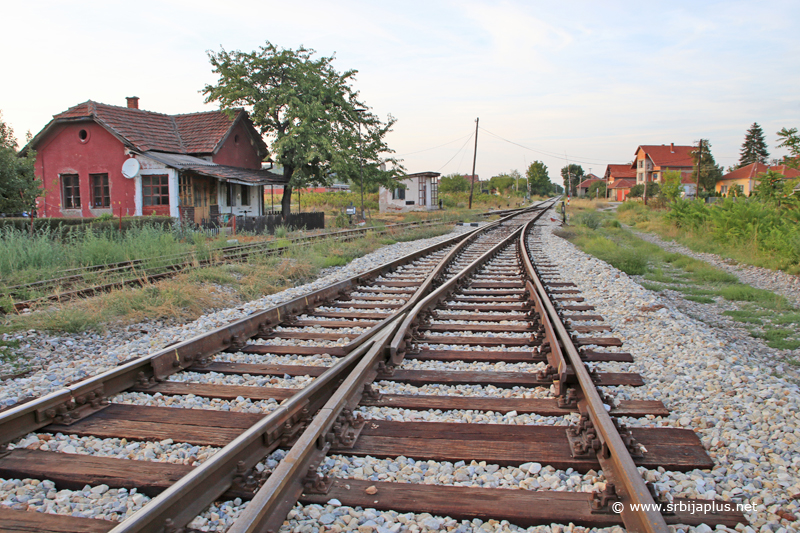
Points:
(130, 168)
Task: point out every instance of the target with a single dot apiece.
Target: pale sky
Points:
(584, 81)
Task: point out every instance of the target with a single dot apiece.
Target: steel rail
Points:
(613, 454)
(199, 488)
(86, 396)
(267, 511)
(179, 504)
(268, 508)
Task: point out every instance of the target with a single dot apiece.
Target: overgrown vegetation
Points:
(190, 294)
(767, 315)
(747, 230)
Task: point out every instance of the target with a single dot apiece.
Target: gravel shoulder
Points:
(57, 360)
(745, 413)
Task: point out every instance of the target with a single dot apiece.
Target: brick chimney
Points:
(671, 145)
(133, 102)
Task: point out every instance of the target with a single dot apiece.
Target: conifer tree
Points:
(754, 148)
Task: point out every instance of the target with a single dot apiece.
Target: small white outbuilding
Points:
(420, 193)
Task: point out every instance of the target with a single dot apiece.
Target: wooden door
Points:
(205, 196)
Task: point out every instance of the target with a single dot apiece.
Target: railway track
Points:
(475, 325)
(79, 282)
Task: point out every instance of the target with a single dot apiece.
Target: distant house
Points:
(583, 187)
(620, 189)
(619, 180)
(421, 193)
(191, 167)
(747, 177)
(651, 161)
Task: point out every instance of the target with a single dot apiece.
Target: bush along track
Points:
(698, 288)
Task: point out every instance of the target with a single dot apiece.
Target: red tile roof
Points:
(194, 133)
(668, 155)
(622, 184)
(754, 169)
(587, 183)
(620, 171)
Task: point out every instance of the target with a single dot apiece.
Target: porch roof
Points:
(202, 167)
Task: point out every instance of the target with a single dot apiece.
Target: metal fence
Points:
(262, 224)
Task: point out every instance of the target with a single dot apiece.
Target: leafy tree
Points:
(637, 191)
(671, 188)
(572, 173)
(706, 166)
(538, 178)
(754, 148)
(791, 141)
(453, 183)
(502, 183)
(313, 117)
(597, 190)
(770, 187)
(19, 187)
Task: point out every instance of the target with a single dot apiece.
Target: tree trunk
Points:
(286, 201)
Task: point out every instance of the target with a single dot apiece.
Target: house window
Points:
(641, 163)
(155, 190)
(71, 191)
(101, 196)
(399, 194)
(245, 194)
(434, 192)
(723, 189)
(228, 194)
(185, 190)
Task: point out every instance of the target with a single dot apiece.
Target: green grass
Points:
(745, 317)
(746, 293)
(700, 299)
(778, 338)
(771, 316)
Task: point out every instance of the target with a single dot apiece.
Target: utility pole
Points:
(474, 158)
(699, 157)
(644, 196)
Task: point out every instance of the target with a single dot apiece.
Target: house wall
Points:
(256, 206)
(238, 150)
(63, 152)
(386, 203)
(744, 183)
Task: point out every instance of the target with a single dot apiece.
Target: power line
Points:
(434, 148)
(549, 154)
(455, 154)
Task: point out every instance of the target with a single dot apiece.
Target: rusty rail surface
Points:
(613, 455)
(175, 506)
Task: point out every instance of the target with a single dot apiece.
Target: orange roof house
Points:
(747, 177)
(583, 187)
(620, 189)
(652, 161)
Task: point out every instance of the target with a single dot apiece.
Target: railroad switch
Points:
(384, 370)
(248, 479)
(370, 395)
(634, 448)
(316, 483)
(583, 439)
(568, 400)
(602, 500)
(346, 429)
